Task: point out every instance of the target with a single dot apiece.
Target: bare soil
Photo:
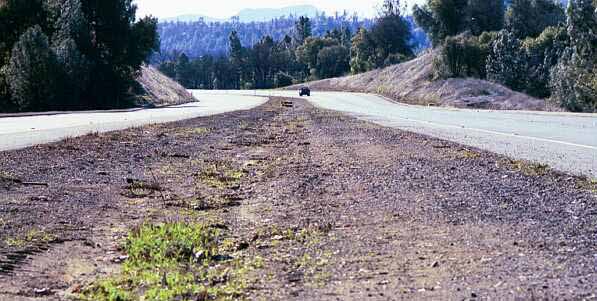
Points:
(339, 209)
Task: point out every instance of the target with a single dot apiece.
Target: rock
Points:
(42, 291)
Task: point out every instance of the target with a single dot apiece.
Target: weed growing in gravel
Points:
(221, 176)
(33, 236)
(469, 154)
(529, 168)
(140, 189)
(587, 184)
(174, 261)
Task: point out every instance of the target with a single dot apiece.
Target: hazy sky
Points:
(228, 8)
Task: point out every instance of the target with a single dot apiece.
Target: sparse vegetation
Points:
(529, 168)
(175, 261)
(220, 175)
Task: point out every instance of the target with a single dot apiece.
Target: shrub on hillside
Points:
(542, 55)
(283, 80)
(506, 61)
(574, 78)
(460, 56)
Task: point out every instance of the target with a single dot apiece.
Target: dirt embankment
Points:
(322, 206)
(161, 90)
(411, 82)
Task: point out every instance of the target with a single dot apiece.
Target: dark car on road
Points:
(305, 91)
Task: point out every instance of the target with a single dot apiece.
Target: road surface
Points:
(21, 132)
(564, 141)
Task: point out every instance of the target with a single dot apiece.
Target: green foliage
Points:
(308, 53)
(303, 30)
(30, 71)
(175, 261)
(333, 61)
(574, 78)
(445, 18)
(529, 18)
(363, 52)
(282, 80)
(542, 55)
(74, 41)
(461, 56)
(506, 62)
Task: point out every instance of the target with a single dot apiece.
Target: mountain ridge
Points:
(249, 15)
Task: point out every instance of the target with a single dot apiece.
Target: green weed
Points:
(174, 261)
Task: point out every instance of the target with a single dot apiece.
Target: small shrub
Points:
(461, 56)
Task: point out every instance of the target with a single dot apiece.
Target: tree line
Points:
(71, 54)
(538, 47)
(300, 54)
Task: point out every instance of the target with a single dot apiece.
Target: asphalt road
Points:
(21, 132)
(564, 141)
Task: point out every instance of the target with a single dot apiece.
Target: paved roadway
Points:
(565, 141)
(21, 132)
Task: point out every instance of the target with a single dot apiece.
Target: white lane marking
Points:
(472, 129)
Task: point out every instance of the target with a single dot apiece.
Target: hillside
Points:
(411, 82)
(160, 90)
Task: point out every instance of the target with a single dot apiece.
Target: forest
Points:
(306, 51)
(72, 54)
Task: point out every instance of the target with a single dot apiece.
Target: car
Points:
(305, 91)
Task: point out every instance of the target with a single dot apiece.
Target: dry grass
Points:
(410, 82)
(161, 90)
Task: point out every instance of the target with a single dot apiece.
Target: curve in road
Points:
(21, 132)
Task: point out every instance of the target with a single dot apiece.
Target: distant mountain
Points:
(252, 15)
(192, 18)
(267, 14)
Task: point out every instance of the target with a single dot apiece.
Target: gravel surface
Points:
(337, 208)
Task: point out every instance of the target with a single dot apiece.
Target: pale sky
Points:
(228, 8)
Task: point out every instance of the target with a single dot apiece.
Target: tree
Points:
(73, 74)
(119, 46)
(485, 16)
(184, 73)
(574, 78)
(391, 33)
(445, 18)
(308, 52)
(506, 62)
(30, 71)
(333, 61)
(303, 30)
(529, 18)
(543, 53)
(460, 56)
(236, 57)
(441, 18)
(363, 52)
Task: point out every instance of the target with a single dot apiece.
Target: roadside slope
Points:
(161, 90)
(411, 82)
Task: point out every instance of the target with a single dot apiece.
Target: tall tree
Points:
(506, 63)
(528, 18)
(236, 57)
(574, 78)
(445, 18)
(30, 71)
(303, 30)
